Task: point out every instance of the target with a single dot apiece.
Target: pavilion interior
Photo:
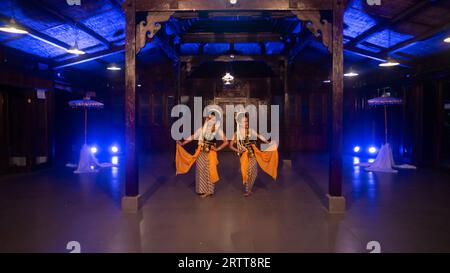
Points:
(271, 55)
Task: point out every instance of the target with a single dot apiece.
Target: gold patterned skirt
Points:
(252, 173)
(203, 184)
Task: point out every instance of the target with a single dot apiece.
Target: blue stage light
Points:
(114, 149)
(115, 160)
(372, 150)
(356, 149)
(94, 150)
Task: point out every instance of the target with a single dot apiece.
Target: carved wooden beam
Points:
(241, 5)
(319, 27)
(207, 37)
(197, 60)
(149, 27)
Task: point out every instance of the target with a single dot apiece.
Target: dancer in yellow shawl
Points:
(205, 156)
(250, 156)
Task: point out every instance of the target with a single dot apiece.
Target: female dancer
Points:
(205, 157)
(245, 140)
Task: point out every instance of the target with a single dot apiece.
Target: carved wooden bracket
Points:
(317, 26)
(149, 27)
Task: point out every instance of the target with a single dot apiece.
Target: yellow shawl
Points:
(267, 161)
(184, 162)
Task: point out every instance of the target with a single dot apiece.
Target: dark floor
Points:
(405, 212)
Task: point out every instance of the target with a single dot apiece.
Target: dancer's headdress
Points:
(208, 127)
(239, 137)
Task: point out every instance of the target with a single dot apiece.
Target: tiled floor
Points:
(405, 212)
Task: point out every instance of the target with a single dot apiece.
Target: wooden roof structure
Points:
(408, 30)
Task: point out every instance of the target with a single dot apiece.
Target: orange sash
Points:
(184, 162)
(267, 161)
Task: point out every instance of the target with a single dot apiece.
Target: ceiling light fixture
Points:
(228, 79)
(114, 67)
(389, 63)
(12, 27)
(351, 74)
(75, 50)
(447, 40)
(233, 2)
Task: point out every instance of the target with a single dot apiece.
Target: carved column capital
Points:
(319, 27)
(149, 27)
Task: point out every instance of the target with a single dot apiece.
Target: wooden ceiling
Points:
(406, 29)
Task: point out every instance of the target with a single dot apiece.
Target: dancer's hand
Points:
(179, 143)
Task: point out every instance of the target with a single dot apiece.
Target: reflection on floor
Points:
(406, 212)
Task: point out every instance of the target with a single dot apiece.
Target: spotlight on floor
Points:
(372, 150)
(356, 149)
(94, 150)
(114, 149)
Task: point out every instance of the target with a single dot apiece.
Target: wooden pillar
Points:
(439, 124)
(336, 201)
(286, 125)
(178, 94)
(418, 122)
(131, 168)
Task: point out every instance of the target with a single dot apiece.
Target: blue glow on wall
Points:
(216, 48)
(248, 48)
(189, 48)
(274, 48)
(297, 28)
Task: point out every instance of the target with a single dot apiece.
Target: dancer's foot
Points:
(248, 194)
(206, 195)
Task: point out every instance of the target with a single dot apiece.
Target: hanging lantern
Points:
(228, 79)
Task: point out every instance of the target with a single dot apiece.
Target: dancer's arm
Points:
(233, 148)
(224, 139)
(260, 137)
(231, 145)
(190, 138)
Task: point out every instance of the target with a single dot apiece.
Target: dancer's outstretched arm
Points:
(224, 139)
(191, 137)
(260, 137)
